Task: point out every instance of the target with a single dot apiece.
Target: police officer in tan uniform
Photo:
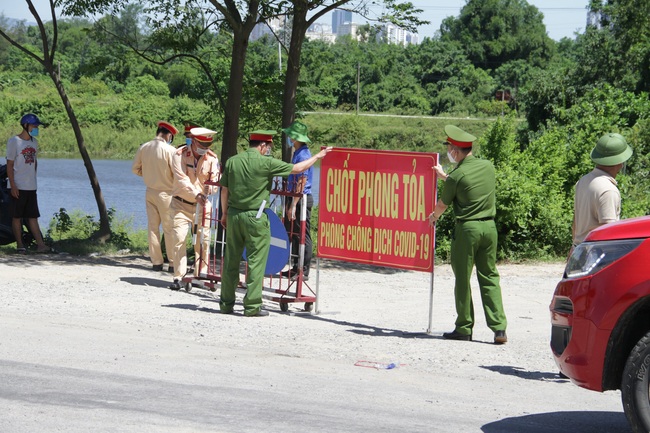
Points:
(153, 162)
(193, 165)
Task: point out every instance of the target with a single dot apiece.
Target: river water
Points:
(64, 183)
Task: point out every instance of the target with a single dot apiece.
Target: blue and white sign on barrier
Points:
(280, 246)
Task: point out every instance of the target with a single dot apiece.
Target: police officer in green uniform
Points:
(246, 183)
(470, 188)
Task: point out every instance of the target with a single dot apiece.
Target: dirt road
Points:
(102, 345)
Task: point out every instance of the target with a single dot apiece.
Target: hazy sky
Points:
(562, 17)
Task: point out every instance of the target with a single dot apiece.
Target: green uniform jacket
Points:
(249, 176)
(470, 187)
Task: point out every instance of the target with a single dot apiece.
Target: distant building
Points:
(339, 18)
(349, 29)
(392, 34)
(320, 31)
(273, 25)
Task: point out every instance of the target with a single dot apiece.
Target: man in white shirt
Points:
(21, 171)
(597, 199)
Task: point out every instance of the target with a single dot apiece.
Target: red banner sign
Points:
(373, 207)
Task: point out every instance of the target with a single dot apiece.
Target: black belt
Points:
(183, 200)
(479, 219)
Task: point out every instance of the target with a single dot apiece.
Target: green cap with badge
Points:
(611, 149)
(458, 137)
(262, 135)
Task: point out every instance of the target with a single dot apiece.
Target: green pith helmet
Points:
(611, 149)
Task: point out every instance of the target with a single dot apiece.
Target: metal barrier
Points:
(284, 288)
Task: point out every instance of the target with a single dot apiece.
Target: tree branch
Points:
(41, 29)
(55, 27)
(20, 47)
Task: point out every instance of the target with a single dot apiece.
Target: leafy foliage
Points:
(569, 92)
(493, 32)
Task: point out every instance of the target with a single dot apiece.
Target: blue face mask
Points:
(289, 143)
(188, 141)
(34, 132)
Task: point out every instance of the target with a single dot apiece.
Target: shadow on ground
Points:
(561, 422)
(509, 370)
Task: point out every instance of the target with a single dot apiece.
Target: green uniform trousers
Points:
(475, 242)
(245, 230)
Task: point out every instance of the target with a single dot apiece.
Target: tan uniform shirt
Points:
(153, 161)
(597, 202)
(190, 175)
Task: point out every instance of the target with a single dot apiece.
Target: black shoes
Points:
(292, 273)
(170, 269)
(157, 267)
(500, 337)
(260, 313)
(176, 285)
(454, 335)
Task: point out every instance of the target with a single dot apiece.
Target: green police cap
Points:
(262, 135)
(458, 137)
(611, 149)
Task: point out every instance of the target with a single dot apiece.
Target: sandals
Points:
(47, 250)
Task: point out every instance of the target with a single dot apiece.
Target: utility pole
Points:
(358, 85)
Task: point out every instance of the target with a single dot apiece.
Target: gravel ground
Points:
(112, 320)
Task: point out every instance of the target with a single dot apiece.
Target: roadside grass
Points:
(72, 233)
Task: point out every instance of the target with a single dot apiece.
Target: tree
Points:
(179, 29)
(620, 34)
(494, 32)
(402, 14)
(47, 60)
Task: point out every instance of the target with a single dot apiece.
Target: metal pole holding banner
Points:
(433, 271)
(376, 213)
(303, 230)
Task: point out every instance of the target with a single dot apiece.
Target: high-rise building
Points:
(273, 25)
(340, 17)
(392, 34)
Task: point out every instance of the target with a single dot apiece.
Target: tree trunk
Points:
(299, 27)
(104, 227)
(235, 90)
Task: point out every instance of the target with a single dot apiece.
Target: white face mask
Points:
(201, 150)
(451, 158)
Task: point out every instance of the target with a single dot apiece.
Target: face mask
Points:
(268, 152)
(201, 150)
(289, 143)
(188, 141)
(34, 132)
(451, 158)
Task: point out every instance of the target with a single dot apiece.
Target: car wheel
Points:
(635, 390)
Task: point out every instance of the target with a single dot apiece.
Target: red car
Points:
(600, 316)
